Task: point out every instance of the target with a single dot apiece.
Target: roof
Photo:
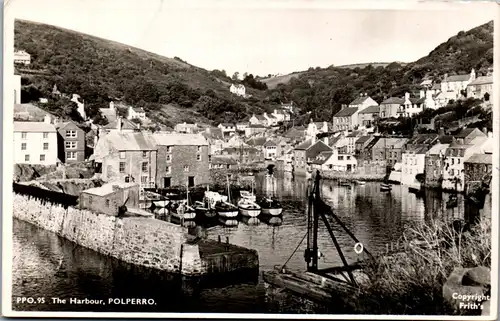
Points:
(107, 189)
(33, 112)
(363, 139)
(437, 149)
(304, 145)
(349, 111)
(257, 141)
(130, 141)
(423, 139)
(227, 124)
(393, 100)
(415, 100)
(33, 127)
(465, 132)
(223, 159)
(238, 85)
(270, 143)
(108, 112)
(322, 158)
(445, 139)
(280, 112)
(482, 81)
(270, 116)
(370, 110)
(436, 87)
(335, 140)
(256, 126)
(260, 117)
(359, 100)
(426, 82)
(354, 133)
(168, 139)
(231, 150)
(138, 109)
(388, 142)
(126, 124)
(480, 159)
(456, 78)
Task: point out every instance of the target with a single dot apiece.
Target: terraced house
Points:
(35, 143)
(70, 142)
(182, 160)
(127, 157)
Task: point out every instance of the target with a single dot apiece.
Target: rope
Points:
(294, 251)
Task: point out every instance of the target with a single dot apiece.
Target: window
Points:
(168, 170)
(198, 157)
(71, 155)
(169, 158)
(23, 146)
(144, 167)
(348, 157)
(107, 203)
(69, 145)
(71, 133)
(27, 158)
(122, 155)
(458, 160)
(430, 162)
(45, 146)
(341, 157)
(42, 158)
(452, 161)
(45, 135)
(122, 167)
(186, 168)
(199, 149)
(23, 135)
(144, 179)
(169, 149)
(452, 172)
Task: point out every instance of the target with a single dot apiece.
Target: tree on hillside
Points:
(236, 75)
(245, 74)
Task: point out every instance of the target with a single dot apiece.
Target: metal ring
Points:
(358, 248)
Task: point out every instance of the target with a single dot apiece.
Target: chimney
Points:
(47, 119)
(326, 140)
(111, 105)
(441, 131)
(119, 123)
(407, 96)
(366, 94)
(422, 94)
(361, 95)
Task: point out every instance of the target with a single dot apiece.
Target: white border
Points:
(341, 4)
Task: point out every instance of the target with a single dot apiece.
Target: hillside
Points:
(273, 82)
(322, 91)
(373, 64)
(100, 70)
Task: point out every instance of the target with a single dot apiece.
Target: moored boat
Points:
(271, 206)
(226, 209)
(161, 204)
(248, 195)
(249, 208)
(182, 210)
(201, 208)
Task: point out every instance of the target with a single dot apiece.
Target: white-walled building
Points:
(22, 57)
(413, 163)
(315, 128)
(281, 115)
(136, 113)
(335, 161)
(35, 142)
(454, 85)
(238, 90)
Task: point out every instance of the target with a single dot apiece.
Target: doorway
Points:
(191, 181)
(167, 182)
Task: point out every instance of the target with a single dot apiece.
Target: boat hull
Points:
(228, 213)
(205, 212)
(185, 216)
(249, 212)
(272, 211)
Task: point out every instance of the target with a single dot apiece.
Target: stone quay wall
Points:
(140, 241)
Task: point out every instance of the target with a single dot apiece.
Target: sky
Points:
(265, 37)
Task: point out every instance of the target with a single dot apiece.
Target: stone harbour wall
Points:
(141, 241)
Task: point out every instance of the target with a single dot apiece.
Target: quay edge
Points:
(143, 242)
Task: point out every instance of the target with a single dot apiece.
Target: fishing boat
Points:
(183, 210)
(161, 204)
(206, 207)
(270, 206)
(248, 208)
(226, 208)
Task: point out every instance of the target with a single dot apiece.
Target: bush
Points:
(412, 283)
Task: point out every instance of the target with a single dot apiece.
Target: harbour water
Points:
(375, 218)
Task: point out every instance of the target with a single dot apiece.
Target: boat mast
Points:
(228, 190)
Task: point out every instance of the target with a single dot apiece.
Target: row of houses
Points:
(48, 142)
(364, 111)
